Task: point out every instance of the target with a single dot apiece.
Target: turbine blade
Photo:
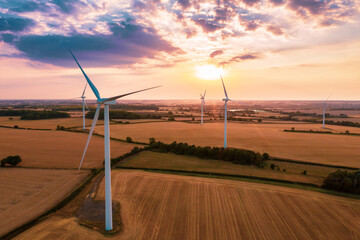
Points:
(224, 86)
(204, 105)
(96, 116)
(328, 98)
(86, 105)
(93, 88)
(201, 96)
(84, 90)
(204, 93)
(126, 94)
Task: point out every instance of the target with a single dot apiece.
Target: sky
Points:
(265, 49)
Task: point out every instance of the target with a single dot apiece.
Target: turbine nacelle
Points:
(112, 102)
(106, 101)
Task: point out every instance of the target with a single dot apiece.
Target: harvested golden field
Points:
(270, 138)
(27, 193)
(46, 123)
(56, 149)
(188, 163)
(162, 206)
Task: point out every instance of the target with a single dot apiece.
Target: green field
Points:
(172, 161)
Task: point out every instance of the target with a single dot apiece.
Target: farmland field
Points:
(270, 138)
(163, 206)
(56, 149)
(188, 163)
(46, 123)
(27, 193)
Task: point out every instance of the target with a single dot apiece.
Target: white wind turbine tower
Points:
(202, 97)
(226, 99)
(324, 112)
(83, 105)
(106, 102)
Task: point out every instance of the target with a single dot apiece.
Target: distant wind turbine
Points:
(106, 102)
(202, 97)
(226, 99)
(324, 112)
(83, 105)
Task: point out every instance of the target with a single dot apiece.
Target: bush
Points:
(59, 127)
(304, 172)
(129, 139)
(266, 156)
(259, 120)
(12, 160)
(272, 166)
(16, 126)
(152, 140)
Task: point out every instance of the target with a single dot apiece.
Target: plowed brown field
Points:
(56, 149)
(27, 193)
(162, 206)
(270, 138)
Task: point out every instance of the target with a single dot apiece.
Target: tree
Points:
(266, 156)
(259, 120)
(272, 166)
(292, 129)
(12, 160)
(152, 140)
(129, 139)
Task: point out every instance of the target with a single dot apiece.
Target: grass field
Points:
(56, 149)
(270, 138)
(164, 206)
(27, 193)
(187, 163)
(46, 123)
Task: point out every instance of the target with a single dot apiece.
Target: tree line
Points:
(34, 115)
(234, 155)
(343, 181)
(122, 115)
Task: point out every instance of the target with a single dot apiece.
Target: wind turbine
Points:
(106, 102)
(202, 97)
(324, 112)
(226, 99)
(83, 105)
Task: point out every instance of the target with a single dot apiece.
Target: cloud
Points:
(275, 30)
(251, 2)
(68, 6)
(185, 4)
(7, 37)
(244, 57)
(128, 44)
(26, 6)
(15, 24)
(313, 6)
(207, 25)
(277, 2)
(216, 53)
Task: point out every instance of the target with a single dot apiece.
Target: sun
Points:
(209, 72)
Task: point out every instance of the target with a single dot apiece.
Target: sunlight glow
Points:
(209, 72)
